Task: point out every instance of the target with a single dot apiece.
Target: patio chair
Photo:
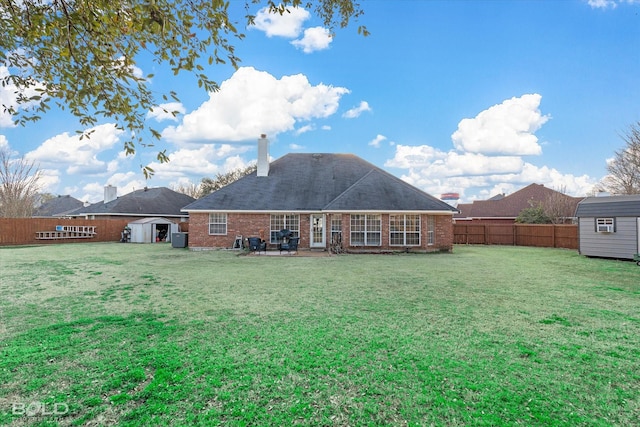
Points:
(256, 244)
(284, 234)
(290, 245)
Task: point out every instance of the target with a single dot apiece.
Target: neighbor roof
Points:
(628, 205)
(510, 206)
(159, 201)
(320, 182)
(58, 206)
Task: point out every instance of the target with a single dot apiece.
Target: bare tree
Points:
(624, 169)
(19, 186)
(209, 185)
(558, 207)
(190, 189)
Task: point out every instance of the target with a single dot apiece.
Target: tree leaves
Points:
(82, 54)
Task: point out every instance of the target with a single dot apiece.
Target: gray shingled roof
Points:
(320, 182)
(58, 206)
(609, 206)
(159, 201)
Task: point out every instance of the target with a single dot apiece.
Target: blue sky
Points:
(474, 97)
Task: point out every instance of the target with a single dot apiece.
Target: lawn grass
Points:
(132, 335)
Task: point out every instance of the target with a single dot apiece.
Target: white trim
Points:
(301, 212)
(85, 214)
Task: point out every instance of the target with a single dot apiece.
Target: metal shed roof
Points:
(610, 206)
(152, 220)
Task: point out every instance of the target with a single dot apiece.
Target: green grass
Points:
(138, 335)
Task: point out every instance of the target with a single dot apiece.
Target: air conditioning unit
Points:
(605, 228)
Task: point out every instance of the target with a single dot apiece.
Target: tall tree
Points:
(19, 186)
(83, 54)
(558, 207)
(190, 189)
(533, 215)
(624, 169)
(209, 185)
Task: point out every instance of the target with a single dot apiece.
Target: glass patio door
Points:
(317, 231)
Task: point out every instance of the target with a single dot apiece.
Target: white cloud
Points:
(602, 4)
(198, 162)
(124, 182)
(165, 112)
(315, 38)
(304, 129)
(480, 166)
(506, 128)
(134, 69)
(356, 111)
(606, 4)
(289, 24)
(9, 98)
(437, 171)
(4, 142)
(254, 102)
(49, 180)
(451, 164)
(377, 140)
(78, 155)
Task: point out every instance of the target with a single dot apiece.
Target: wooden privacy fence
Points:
(28, 231)
(543, 235)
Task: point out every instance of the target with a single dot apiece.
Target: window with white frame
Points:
(431, 230)
(404, 230)
(218, 223)
(336, 229)
(605, 225)
(284, 222)
(366, 230)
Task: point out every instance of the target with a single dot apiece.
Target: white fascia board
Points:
(369, 211)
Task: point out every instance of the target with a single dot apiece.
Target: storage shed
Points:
(609, 226)
(151, 230)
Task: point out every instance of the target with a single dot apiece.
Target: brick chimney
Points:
(263, 156)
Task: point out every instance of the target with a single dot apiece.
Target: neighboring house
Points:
(609, 226)
(327, 201)
(503, 209)
(145, 203)
(58, 207)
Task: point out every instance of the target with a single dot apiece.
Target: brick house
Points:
(145, 203)
(328, 201)
(503, 209)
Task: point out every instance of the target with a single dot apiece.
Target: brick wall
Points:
(251, 225)
(444, 233)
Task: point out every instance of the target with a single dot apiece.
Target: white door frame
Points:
(317, 229)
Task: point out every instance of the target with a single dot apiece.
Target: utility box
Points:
(179, 240)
